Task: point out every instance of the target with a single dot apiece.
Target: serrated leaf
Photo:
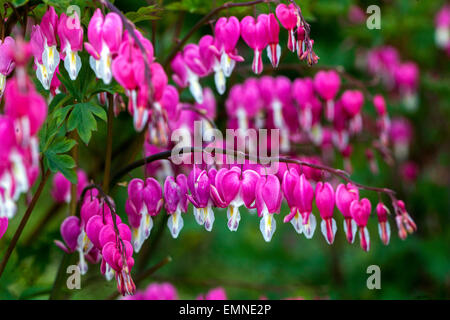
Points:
(143, 14)
(61, 114)
(61, 163)
(82, 119)
(62, 145)
(98, 111)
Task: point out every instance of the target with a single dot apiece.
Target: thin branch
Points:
(24, 221)
(43, 223)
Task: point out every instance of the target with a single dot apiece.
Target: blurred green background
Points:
(290, 265)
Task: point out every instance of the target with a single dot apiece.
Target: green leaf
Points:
(98, 111)
(144, 14)
(18, 3)
(61, 163)
(193, 6)
(62, 145)
(82, 119)
(61, 114)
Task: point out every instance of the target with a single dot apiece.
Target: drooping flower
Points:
(74, 238)
(407, 80)
(188, 68)
(273, 31)
(268, 202)
(352, 102)
(405, 223)
(442, 24)
(26, 107)
(199, 184)
(325, 204)
(233, 188)
(327, 84)
(384, 229)
(37, 41)
(290, 187)
(112, 238)
(287, 14)
(210, 56)
(50, 55)
(345, 195)
(70, 34)
(303, 93)
(176, 202)
(360, 211)
(6, 62)
(104, 35)
(227, 32)
(401, 133)
(145, 201)
(255, 34)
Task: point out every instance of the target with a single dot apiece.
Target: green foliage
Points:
(56, 160)
(82, 119)
(144, 14)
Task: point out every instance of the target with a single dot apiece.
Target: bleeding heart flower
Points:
(360, 211)
(268, 202)
(199, 184)
(175, 195)
(104, 35)
(325, 204)
(327, 84)
(287, 14)
(70, 35)
(227, 32)
(232, 189)
(255, 34)
(384, 229)
(345, 194)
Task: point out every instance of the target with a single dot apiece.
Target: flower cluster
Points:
(24, 112)
(44, 43)
(144, 202)
(100, 235)
(233, 187)
(298, 107)
(219, 53)
(128, 57)
(401, 78)
(166, 291)
(442, 24)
